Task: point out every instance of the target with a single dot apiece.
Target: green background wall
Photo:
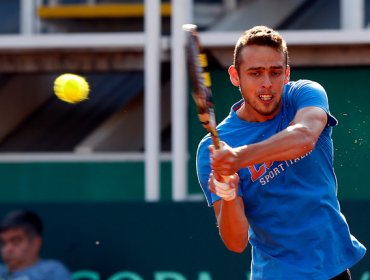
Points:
(77, 181)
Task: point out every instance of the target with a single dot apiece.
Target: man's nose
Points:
(266, 82)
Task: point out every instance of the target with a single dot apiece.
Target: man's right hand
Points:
(224, 161)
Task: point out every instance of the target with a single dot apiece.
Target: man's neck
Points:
(24, 266)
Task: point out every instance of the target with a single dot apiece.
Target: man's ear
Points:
(234, 76)
(37, 242)
(287, 74)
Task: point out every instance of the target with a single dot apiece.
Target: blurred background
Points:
(114, 177)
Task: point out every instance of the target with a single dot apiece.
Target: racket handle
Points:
(221, 146)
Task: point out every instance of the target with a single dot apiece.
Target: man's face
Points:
(261, 79)
(17, 249)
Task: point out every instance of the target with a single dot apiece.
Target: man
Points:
(21, 240)
(273, 183)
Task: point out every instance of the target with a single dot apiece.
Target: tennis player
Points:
(281, 193)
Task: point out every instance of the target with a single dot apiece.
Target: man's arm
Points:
(231, 219)
(297, 139)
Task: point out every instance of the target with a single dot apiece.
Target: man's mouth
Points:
(265, 97)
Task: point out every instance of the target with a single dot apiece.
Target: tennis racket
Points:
(202, 94)
(201, 81)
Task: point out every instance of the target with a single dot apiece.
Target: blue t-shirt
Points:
(42, 270)
(296, 229)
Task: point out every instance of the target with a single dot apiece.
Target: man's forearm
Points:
(233, 224)
(287, 144)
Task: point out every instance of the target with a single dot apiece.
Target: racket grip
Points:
(221, 146)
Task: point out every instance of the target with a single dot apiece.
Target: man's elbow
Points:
(307, 137)
(309, 142)
(237, 247)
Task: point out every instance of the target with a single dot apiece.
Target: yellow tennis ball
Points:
(71, 88)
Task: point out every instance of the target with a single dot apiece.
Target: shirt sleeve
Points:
(203, 169)
(308, 93)
(3, 270)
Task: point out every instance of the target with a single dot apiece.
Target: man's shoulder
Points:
(303, 90)
(3, 269)
(303, 84)
(51, 267)
(51, 264)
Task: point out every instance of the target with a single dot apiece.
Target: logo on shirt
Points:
(264, 173)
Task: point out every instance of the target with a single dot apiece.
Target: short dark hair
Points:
(29, 221)
(261, 36)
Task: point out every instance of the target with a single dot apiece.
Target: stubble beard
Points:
(260, 109)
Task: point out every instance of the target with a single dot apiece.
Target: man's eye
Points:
(276, 73)
(254, 74)
(16, 241)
